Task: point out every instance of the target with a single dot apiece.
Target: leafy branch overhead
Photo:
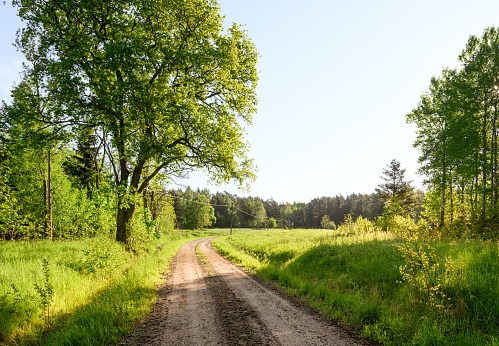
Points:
(161, 83)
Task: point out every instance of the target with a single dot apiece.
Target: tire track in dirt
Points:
(184, 313)
(241, 324)
(207, 300)
(289, 323)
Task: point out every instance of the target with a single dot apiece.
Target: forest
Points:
(83, 204)
(221, 210)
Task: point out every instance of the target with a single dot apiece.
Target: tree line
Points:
(457, 136)
(198, 209)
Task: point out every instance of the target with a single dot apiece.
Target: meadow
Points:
(398, 288)
(80, 292)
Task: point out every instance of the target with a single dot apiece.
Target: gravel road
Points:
(207, 300)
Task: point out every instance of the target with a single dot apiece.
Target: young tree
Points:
(326, 223)
(256, 214)
(395, 188)
(199, 213)
(83, 165)
(271, 223)
(162, 83)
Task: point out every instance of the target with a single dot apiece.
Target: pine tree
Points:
(396, 188)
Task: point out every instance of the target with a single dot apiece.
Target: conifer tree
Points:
(396, 188)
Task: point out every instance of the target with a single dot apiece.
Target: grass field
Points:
(85, 292)
(397, 290)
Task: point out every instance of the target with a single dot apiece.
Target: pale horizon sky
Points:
(336, 80)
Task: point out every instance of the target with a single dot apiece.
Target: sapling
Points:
(46, 291)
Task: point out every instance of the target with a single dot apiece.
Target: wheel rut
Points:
(241, 324)
(207, 300)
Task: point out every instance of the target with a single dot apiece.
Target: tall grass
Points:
(356, 274)
(99, 289)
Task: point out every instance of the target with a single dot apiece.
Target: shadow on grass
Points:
(8, 322)
(105, 320)
(478, 291)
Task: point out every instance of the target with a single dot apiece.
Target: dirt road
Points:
(206, 300)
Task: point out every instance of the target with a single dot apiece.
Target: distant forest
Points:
(254, 212)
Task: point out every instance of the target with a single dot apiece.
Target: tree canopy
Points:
(162, 86)
(457, 134)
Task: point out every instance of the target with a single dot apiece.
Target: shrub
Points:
(271, 223)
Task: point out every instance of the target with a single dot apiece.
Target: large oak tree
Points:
(162, 84)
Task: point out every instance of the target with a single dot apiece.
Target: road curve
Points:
(207, 300)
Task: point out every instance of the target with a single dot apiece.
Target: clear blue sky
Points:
(336, 80)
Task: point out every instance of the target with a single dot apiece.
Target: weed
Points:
(421, 271)
(203, 260)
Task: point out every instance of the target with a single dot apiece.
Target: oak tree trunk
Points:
(123, 218)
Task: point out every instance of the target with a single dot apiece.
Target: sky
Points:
(336, 79)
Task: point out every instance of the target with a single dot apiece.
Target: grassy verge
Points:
(398, 290)
(85, 292)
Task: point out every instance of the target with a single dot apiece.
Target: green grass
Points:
(99, 288)
(355, 276)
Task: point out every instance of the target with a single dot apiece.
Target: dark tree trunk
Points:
(476, 191)
(49, 194)
(123, 218)
(127, 209)
(484, 162)
(46, 203)
(484, 189)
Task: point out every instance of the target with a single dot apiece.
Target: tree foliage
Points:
(199, 213)
(160, 83)
(457, 134)
(242, 210)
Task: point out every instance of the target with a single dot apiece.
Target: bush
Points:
(100, 255)
(271, 223)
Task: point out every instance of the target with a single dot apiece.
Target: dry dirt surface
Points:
(207, 300)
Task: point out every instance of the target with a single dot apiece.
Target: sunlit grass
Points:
(354, 276)
(93, 303)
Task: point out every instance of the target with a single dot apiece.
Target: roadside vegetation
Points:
(84, 292)
(409, 285)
